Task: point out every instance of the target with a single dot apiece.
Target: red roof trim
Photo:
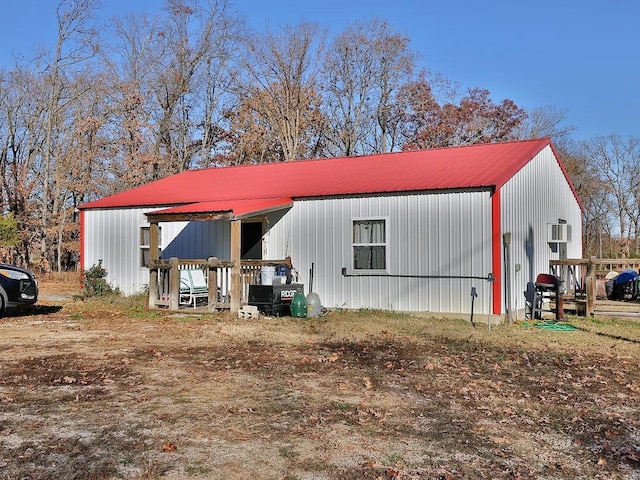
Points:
(82, 238)
(239, 208)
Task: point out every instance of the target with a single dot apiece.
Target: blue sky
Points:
(581, 56)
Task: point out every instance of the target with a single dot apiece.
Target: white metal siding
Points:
(427, 234)
(537, 195)
(113, 236)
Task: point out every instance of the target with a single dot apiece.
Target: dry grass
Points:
(107, 389)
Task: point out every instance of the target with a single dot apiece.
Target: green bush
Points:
(95, 283)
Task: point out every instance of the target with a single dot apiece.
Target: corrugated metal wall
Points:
(113, 236)
(428, 234)
(537, 195)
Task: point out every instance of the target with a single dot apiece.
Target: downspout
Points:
(496, 251)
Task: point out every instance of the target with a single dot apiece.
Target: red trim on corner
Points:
(81, 245)
(496, 260)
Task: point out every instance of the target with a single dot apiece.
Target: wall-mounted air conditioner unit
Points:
(558, 233)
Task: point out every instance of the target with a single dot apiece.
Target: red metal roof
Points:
(238, 208)
(476, 166)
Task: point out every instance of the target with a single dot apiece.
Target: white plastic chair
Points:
(193, 285)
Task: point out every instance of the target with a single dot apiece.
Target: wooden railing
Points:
(584, 277)
(164, 280)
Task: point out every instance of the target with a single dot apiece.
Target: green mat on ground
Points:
(550, 325)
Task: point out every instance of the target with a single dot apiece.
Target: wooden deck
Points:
(584, 281)
(603, 308)
(165, 289)
(612, 308)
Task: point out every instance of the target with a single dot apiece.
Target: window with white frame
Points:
(369, 243)
(145, 249)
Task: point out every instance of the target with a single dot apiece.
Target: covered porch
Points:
(214, 283)
(219, 285)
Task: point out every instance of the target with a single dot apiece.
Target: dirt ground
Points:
(93, 389)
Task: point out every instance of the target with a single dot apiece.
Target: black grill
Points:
(274, 299)
(28, 288)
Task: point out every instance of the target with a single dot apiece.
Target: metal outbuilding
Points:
(406, 231)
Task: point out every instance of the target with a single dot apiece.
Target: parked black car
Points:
(17, 287)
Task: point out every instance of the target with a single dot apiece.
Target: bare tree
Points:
(547, 121)
(132, 62)
(173, 75)
(83, 152)
(187, 44)
(617, 163)
(21, 127)
(280, 84)
(592, 192)
(363, 70)
(75, 44)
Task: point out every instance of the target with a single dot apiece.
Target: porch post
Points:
(236, 287)
(212, 282)
(153, 287)
(591, 285)
(174, 284)
(153, 255)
